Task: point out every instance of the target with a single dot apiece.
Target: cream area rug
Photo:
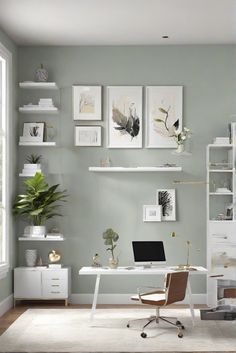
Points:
(69, 330)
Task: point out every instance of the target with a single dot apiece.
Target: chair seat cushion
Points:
(151, 298)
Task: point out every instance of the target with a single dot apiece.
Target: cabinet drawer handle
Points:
(55, 285)
(55, 279)
(54, 292)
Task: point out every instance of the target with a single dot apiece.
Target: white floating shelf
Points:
(50, 144)
(221, 193)
(38, 85)
(39, 239)
(221, 170)
(214, 145)
(38, 110)
(22, 175)
(134, 169)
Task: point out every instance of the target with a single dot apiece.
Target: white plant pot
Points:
(32, 166)
(30, 257)
(37, 230)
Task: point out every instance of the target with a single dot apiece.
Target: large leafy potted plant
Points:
(39, 203)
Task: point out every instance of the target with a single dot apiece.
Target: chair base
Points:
(180, 327)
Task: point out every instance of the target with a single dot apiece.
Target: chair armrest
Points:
(156, 290)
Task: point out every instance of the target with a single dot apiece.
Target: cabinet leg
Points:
(66, 302)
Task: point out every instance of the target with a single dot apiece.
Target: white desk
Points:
(106, 271)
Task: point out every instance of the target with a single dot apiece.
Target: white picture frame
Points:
(88, 136)
(34, 132)
(87, 102)
(164, 103)
(125, 116)
(167, 200)
(151, 213)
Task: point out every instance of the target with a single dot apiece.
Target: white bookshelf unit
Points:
(221, 221)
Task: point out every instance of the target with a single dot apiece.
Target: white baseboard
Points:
(6, 304)
(123, 299)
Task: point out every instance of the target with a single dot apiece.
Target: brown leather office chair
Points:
(173, 291)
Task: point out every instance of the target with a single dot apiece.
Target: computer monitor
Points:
(148, 253)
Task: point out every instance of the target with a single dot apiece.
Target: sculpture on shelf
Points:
(54, 256)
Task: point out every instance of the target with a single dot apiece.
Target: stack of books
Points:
(45, 103)
(31, 169)
(222, 141)
(54, 236)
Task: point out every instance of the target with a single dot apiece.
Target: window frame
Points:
(6, 100)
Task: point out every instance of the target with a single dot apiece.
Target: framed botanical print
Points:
(88, 136)
(166, 199)
(33, 132)
(87, 102)
(124, 116)
(164, 112)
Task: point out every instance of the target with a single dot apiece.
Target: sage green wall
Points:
(98, 201)
(6, 283)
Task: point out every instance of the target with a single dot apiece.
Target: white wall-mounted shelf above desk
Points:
(134, 169)
(39, 239)
(43, 144)
(38, 85)
(38, 110)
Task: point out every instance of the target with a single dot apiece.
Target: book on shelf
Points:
(54, 236)
(54, 265)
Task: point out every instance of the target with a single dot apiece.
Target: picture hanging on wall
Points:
(87, 102)
(87, 136)
(164, 111)
(166, 198)
(124, 116)
(33, 132)
(152, 213)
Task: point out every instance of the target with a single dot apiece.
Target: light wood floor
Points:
(8, 318)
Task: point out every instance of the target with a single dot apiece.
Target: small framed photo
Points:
(166, 199)
(151, 213)
(87, 102)
(88, 136)
(34, 132)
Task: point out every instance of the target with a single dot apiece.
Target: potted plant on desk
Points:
(110, 238)
(38, 204)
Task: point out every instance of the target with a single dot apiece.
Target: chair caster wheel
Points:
(178, 323)
(143, 335)
(127, 325)
(183, 328)
(180, 335)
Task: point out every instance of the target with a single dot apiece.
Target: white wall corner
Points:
(6, 304)
(124, 299)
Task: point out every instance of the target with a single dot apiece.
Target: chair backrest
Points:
(176, 284)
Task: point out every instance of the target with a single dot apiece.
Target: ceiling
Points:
(119, 22)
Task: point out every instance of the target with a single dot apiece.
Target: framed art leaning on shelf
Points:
(88, 136)
(87, 103)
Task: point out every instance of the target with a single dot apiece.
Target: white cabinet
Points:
(42, 283)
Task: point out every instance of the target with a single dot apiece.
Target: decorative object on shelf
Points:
(110, 238)
(32, 166)
(152, 213)
(90, 136)
(33, 132)
(40, 201)
(221, 140)
(30, 257)
(54, 256)
(166, 198)
(87, 102)
(96, 261)
(164, 115)
(180, 138)
(106, 162)
(41, 74)
(50, 132)
(124, 117)
(39, 262)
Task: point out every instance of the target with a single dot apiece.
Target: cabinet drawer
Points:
(55, 275)
(55, 291)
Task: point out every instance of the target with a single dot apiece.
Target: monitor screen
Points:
(148, 252)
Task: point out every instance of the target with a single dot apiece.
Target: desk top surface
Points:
(137, 270)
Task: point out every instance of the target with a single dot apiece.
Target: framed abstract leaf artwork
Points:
(166, 199)
(124, 116)
(87, 102)
(164, 112)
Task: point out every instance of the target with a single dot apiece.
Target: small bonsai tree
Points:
(40, 202)
(110, 238)
(34, 158)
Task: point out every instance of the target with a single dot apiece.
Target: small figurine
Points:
(96, 261)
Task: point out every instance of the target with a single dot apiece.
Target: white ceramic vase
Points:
(30, 257)
(37, 230)
(180, 148)
(41, 74)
